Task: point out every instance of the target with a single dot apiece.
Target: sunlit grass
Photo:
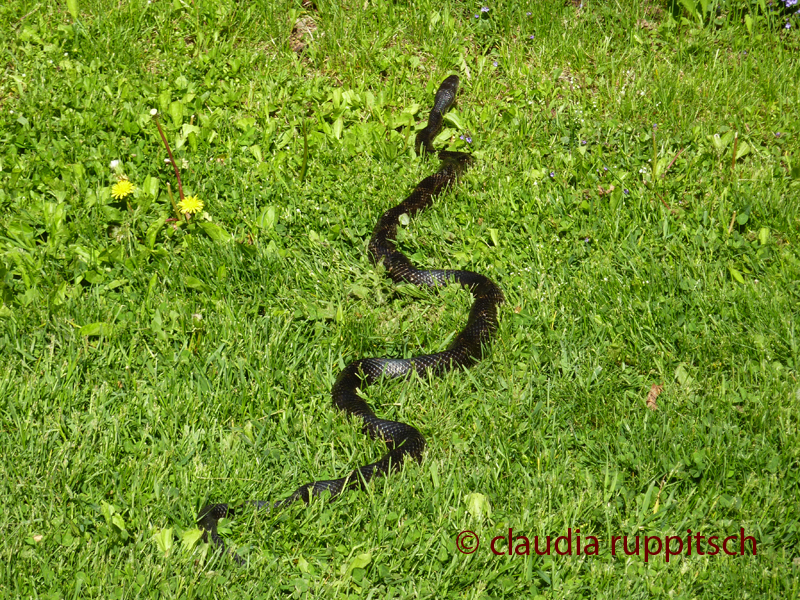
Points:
(153, 364)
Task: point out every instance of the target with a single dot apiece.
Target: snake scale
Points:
(402, 440)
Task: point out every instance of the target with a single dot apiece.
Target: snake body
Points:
(402, 440)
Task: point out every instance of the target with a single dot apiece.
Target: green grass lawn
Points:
(636, 194)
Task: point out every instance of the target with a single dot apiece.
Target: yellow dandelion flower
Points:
(122, 189)
(190, 205)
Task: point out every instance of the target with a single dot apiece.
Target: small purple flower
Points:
(527, 14)
(788, 25)
(494, 63)
(605, 168)
(583, 142)
(468, 139)
(531, 36)
(655, 126)
(626, 192)
(552, 174)
(477, 16)
(484, 9)
(586, 240)
(461, 137)
(778, 134)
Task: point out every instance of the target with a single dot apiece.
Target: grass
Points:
(149, 368)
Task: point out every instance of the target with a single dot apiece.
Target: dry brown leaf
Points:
(302, 33)
(655, 390)
(604, 192)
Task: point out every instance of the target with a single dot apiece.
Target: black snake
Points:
(402, 440)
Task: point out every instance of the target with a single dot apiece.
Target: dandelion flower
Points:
(190, 205)
(122, 189)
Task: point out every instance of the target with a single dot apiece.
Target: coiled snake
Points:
(401, 439)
